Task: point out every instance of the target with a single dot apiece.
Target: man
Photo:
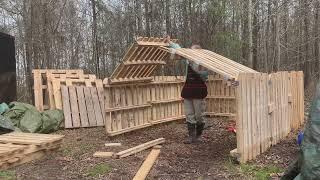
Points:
(194, 92)
(307, 165)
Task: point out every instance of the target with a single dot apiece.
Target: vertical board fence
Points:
(268, 106)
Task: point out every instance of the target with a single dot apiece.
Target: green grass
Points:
(252, 171)
(7, 175)
(99, 169)
(259, 173)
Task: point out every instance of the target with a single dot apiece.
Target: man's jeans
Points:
(194, 110)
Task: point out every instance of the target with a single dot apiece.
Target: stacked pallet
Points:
(47, 85)
(20, 148)
(79, 95)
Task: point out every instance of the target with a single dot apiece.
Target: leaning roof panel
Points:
(146, 54)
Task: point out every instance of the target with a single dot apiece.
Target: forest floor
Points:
(209, 160)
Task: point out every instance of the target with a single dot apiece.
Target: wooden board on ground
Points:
(103, 154)
(112, 144)
(139, 148)
(84, 106)
(147, 165)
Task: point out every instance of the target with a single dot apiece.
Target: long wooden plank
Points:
(108, 119)
(38, 94)
(96, 106)
(139, 148)
(90, 110)
(74, 107)
(239, 118)
(254, 115)
(147, 165)
(82, 107)
(57, 93)
(66, 107)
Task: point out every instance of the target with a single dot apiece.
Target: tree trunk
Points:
(277, 36)
(168, 18)
(95, 57)
(316, 37)
(250, 53)
(147, 17)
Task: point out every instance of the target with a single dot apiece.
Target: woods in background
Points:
(267, 35)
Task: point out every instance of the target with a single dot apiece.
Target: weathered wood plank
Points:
(82, 107)
(90, 110)
(147, 165)
(66, 107)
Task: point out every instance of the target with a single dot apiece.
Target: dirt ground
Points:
(209, 160)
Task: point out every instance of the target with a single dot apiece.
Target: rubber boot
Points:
(192, 134)
(199, 130)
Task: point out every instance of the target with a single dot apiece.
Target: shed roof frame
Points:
(146, 54)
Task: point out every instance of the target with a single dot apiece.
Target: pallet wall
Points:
(138, 105)
(134, 106)
(268, 106)
(221, 99)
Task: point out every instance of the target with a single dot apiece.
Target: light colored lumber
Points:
(96, 106)
(74, 107)
(139, 148)
(112, 144)
(66, 107)
(90, 108)
(147, 165)
(82, 107)
(103, 154)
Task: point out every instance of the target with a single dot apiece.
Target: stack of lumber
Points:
(20, 148)
(47, 85)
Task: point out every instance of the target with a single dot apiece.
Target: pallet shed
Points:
(266, 107)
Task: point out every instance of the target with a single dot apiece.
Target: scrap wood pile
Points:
(79, 95)
(20, 148)
(146, 165)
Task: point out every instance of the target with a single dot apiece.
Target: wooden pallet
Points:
(19, 148)
(140, 61)
(55, 91)
(83, 106)
(43, 90)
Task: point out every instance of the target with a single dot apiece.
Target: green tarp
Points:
(307, 165)
(28, 119)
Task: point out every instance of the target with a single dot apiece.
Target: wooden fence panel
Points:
(268, 107)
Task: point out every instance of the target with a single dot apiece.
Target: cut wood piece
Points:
(103, 154)
(147, 165)
(112, 144)
(234, 153)
(139, 148)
